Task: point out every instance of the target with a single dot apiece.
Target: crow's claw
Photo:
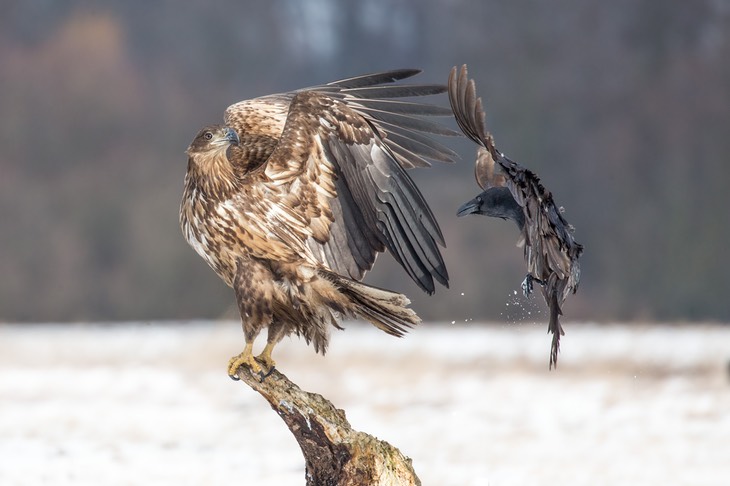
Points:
(527, 286)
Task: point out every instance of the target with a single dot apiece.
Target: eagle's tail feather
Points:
(384, 309)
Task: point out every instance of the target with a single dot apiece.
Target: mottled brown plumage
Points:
(514, 192)
(293, 198)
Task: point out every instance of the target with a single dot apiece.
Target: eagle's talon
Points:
(266, 361)
(268, 364)
(243, 359)
(263, 376)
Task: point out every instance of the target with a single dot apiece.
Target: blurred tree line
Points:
(622, 107)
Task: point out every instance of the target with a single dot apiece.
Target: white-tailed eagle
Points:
(293, 197)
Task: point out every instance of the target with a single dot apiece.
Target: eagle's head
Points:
(213, 138)
(209, 167)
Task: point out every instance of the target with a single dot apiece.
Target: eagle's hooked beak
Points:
(231, 136)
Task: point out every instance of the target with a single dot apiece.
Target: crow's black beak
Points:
(469, 207)
(232, 136)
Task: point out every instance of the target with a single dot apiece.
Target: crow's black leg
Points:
(527, 286)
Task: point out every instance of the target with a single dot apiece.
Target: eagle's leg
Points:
(245, 358)
(252, 317)
(277, 331)
(265, 358)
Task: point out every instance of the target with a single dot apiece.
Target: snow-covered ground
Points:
(150, 403)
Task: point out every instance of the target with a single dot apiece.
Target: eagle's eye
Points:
(208, 136)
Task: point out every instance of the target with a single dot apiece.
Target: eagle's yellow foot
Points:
(266, 360)
(245, 358)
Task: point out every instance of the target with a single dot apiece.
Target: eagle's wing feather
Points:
(397, 106)
(381, 92)
(373, 79)
(339, 166)
(397, 121)
(418, 145)
(289, 191)
(332, 169)
(265, 115)
(395, 214)
(279, 235)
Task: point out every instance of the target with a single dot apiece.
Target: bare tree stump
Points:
(335, 454)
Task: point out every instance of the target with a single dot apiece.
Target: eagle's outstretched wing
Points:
(550, 249)
(338, 171)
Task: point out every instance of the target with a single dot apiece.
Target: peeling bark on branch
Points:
(335, 454)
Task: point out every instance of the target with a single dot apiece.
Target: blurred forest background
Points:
(622, 108)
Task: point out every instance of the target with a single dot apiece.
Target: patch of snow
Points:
(152, 403)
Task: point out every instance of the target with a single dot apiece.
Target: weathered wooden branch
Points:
(335, 454)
